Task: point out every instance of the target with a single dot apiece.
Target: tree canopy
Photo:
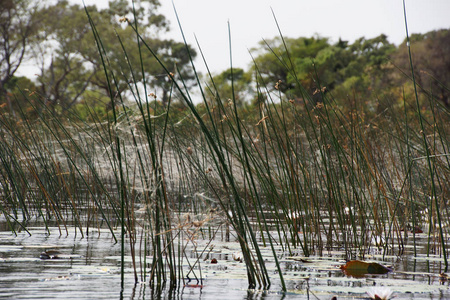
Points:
(19, 20)
(365, 69)
(57, 38)
(61, 43)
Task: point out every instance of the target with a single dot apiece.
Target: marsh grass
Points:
(305, 173)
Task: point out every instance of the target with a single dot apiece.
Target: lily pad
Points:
(359, 268)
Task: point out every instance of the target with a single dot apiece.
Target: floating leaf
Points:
(357, 268)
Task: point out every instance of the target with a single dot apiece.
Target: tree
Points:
(176, 58)
(18, 25)
(19, 89)
(273, 63)
(220, 86)
(361, 67)
(69, 59)
(67, 55)
(431, 62)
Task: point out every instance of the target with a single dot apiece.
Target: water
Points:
(90, 269)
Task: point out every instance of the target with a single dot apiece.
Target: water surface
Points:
(89, 268)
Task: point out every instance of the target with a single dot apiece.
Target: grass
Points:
(309, 175)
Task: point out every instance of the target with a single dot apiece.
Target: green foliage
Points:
(92, 108)
(18, 25)
(369, 69)
(430, 60)
(67, 55)
(318, 64)
(274, 61)
(18, 88)
(233, 85)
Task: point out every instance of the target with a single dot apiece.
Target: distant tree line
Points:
(57, 38)
(366, 70)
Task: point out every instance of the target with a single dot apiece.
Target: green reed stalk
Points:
(246, 153)
(425, 144)
(240, 218)
(121, 183)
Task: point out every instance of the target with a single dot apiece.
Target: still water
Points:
(89, 268)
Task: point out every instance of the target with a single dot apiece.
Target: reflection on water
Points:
(89, 268)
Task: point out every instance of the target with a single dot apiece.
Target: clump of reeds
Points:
(308, 174)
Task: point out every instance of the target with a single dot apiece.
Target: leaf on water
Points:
(357, 268)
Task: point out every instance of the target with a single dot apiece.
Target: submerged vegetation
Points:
(310, 150)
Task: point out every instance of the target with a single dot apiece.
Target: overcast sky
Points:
(252, 20)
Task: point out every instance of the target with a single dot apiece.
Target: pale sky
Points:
(252, 20)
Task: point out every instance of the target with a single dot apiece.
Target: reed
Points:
(429, 158)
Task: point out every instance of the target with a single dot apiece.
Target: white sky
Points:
(252, 20)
